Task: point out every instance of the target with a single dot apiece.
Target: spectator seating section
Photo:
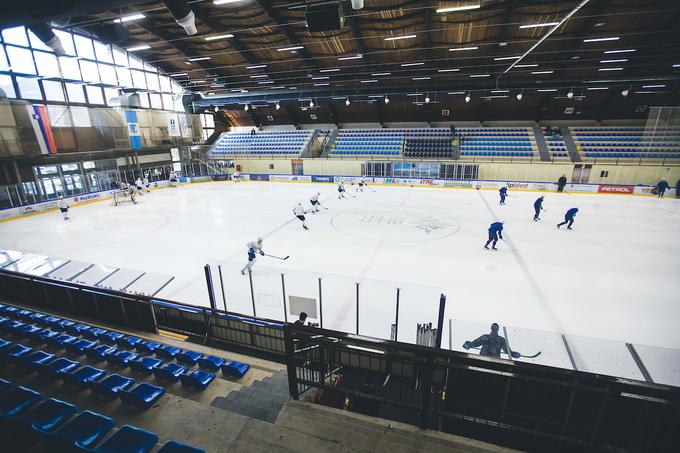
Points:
(556, 145)
(433, 147)
(494, 142)
(360, 142)
(288, 143)
(627, 142)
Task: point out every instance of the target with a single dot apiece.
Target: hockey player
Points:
(132, 191)
(173, 179)
(341, 190)
(495, 232)
(503, 192)
(361, 184)
(147, 185)
(63, 207)
(569, 218)
(253, 248)
(492, 344)
(314, 201)
(662, 186)
(236, 176)
(300, 212)
(538, 207)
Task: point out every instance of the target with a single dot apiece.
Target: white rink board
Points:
(26, 263)
(662, 364)
(9, 256)
(149, 284)
(120, 279)
(613, 276)
(50, 265)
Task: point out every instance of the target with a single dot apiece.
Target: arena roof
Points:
(259, 52)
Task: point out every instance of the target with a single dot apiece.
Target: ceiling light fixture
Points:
(427, 99)
(597, 88)
(480, 75)
(545, 24)
(653, 86)
(396, 38)
(461, 49)
(311, 103)
(356, 57)
(448, 70)
(467, 98)
(258, 66)
(320, 84)
(519, 96)
(347, 102)
(412, 64)
(129, 18)
(288, 49)
(136, 48)
(547, 90)
(453, 9)
(277, 105)
(570, 94)
(330, 70)
(620, 60)
(387, 100)
(199, 58)
(421, 78)
(624, 92)
(369, 81)
(218, 37)
(526, 65)
(246, 108)
(381, 74)
(507, 58)
(620, 51)
(610, 69)
(542, 72)
(224, 2)
(612, 38)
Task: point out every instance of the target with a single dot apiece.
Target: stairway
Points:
(542, 145)
(262, 400)
(570, 144)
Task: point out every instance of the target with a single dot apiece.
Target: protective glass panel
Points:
(156, 101)
(108, 74)
(66, 40)
(138, 79)
(36, 43)
(89, 70)
(165, 84)
(120, 56)
(596, 355)
(550, 345)
(94, 95)
(6, 86)
(152, 81)
(124, 78)
(69, 68)
(103, 52)
(59, 116)
(110, 93)
(661, 363)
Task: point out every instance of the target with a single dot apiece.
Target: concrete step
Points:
(541, 144)
(261, 401)
(263, 395)
(271, 386)
(231, 404)
(570, 144)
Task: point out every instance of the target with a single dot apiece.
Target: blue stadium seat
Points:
(60, 341)
(111, 385)
(52, 322)
(4, 343)
(168, 352)
(170, 372)
(5, 385)
(35, 359)
(189, 357)
(85, 429)
(197, 379)
(77, 329)
(173, 446)
(56, 368)
(145, 365)
(14, 352)
(123, 358)
(129, 342)
(148, 347)
(64, 324)
(143, 395)
(94, 333)
(235, 369)
(47, 415)
(101, 352)
(18, 400)
(211, 363)
(79, 347)
(82, 377)
(111, 337)
(128, 439)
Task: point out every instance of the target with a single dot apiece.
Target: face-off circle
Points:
(395, 224)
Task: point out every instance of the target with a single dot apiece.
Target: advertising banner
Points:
(323, 178)
(290, 178)
(604, 188)
(258, 177)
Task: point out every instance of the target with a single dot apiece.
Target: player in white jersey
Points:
(253, 249)
(139, 185)
(63, 207)
(361, 184)
(236, 176)
(147, 185)
(300, 212)
(341, 190)
(173, 179)
(314, 201)
(132, 191)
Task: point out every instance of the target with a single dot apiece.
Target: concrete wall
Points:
(540, 172)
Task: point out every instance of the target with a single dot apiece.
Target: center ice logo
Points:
(395, 224)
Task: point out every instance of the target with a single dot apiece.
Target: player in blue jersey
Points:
(503, 192)
(538, 207)
(569, 218)
(495, 232)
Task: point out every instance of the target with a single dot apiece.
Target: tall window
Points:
(208, 124)
(106, 69)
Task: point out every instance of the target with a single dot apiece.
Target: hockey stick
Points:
(277, 257)
(521, 355)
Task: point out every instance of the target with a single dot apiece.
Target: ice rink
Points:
(614, 276)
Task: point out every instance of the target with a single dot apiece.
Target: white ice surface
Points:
(614, 276)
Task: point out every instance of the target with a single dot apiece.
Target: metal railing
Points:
(510, 403)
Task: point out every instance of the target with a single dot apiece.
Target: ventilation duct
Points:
(183, 15)
(44, 32)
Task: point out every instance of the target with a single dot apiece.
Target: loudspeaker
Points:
(324, 17)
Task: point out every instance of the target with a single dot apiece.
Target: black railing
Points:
(215, 327)
(515, 404)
